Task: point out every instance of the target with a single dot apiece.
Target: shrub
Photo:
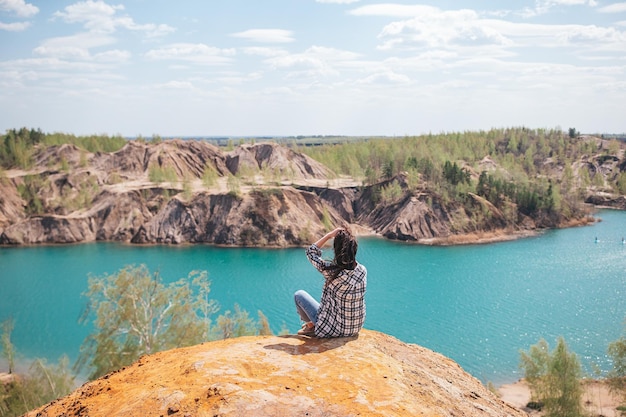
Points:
(554, 379)
(159, 174)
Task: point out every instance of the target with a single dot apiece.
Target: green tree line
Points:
(18, 145)
(442, 163)
(133, 313)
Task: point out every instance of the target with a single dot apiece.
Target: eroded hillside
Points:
(265, 194)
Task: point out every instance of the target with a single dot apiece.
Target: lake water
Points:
(478, 305)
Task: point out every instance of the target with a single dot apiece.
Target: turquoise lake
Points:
(478, 304)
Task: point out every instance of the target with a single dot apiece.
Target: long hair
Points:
(345, 246)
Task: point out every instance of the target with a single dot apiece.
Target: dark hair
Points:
(345, 246)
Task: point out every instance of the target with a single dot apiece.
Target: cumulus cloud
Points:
(98, 16)
(441, 29)
(192, 52)
(421, 27)
(19, 8)
(337, 1)
(386, 77)
(177, 85)
(613, 8)
(266, 35)
(112, 56)
(14, 27)
(263, 51)
(315, 61)
(393, 10)
(544, 6)
(73, 47)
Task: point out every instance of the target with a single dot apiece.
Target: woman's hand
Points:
(334, 233)
(330, 235)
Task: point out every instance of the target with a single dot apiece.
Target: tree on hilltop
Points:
(137, 314)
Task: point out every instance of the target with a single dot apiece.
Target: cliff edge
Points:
(370, 375)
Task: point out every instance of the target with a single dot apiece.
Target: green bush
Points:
(159, 174)
(29, 191)
(617, 376)
(209, 176)
(554, 379)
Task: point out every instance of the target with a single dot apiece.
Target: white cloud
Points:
(393, 10)
(386, 77)
(112, 56)
(14, 27)
(337, 1)
(97, 16)
(177, 85)
(262, 51)
(266, 35)
(544, 6)
(467, 32)
(613, 8)
(315, 61)
(48, 66)
(74, 46)
(19, 8)
(445, 28)
(551, 3)
(192, 52)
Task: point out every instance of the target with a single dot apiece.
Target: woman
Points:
(341, 311)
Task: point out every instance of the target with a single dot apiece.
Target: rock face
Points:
(370, 375)
(178, 191)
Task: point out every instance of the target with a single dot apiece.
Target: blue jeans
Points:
(307, 306)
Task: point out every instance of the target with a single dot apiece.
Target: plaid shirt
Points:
(342, 308)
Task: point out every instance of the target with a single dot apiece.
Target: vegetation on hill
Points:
(17, 145)
(534, 169)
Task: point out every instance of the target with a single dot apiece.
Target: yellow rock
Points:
(370, 375)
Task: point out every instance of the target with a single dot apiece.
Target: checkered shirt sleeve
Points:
(342, 307)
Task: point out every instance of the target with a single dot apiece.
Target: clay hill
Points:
(370, 375)
(265, 194)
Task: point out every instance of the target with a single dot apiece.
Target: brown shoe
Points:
(307, 330)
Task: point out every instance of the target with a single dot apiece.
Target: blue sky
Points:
(311, 67)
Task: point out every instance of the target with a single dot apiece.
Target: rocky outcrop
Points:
(277, 159)
(11, 204)
(275, 217)
(411, 219)
(607, 200)
(370, 375)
